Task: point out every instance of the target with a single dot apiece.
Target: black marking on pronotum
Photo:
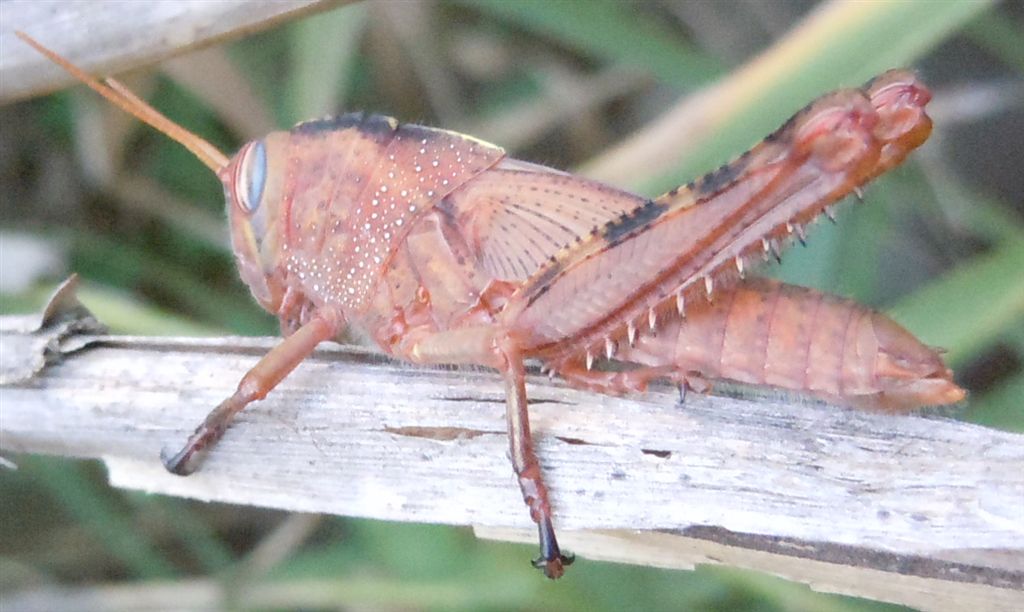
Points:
(329, 124)
(618, 229)
(420, 133)
(378, 124)
(370, 124)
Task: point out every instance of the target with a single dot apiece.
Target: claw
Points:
(554, 568)
(180, 463)
(188, 459)
(551, 560)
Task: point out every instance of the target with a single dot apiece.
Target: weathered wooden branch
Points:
(923, 511)
(107, 36)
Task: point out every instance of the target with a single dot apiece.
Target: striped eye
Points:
(251, 176)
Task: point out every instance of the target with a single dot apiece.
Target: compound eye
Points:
(251, 176)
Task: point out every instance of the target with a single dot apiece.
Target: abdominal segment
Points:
(763, 332)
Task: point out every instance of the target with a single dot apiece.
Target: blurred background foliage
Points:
(646, 95)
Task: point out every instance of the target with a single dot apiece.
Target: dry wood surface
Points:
(919, 510)
(108, 36)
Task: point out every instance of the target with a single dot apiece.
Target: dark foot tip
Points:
(177, 462)
(554, 568)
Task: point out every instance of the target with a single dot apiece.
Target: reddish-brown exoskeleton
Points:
(443, 250)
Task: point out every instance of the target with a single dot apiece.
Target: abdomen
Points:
(764, 332)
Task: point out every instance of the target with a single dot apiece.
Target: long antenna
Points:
(120, 96)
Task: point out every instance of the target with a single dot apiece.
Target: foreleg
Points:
(255, 385)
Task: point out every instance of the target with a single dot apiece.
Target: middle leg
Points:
(487, 345)
(526, 466)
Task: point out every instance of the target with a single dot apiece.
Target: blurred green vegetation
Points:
(940, 243)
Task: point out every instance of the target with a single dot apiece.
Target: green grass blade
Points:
(191, 530)
(839, 44)
(126, 315)
(613, 31)
(884, 35)
(997, 33)
(133, 266)
(969, 308)
(68, 484)
(324, 50)
(1002, 408)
